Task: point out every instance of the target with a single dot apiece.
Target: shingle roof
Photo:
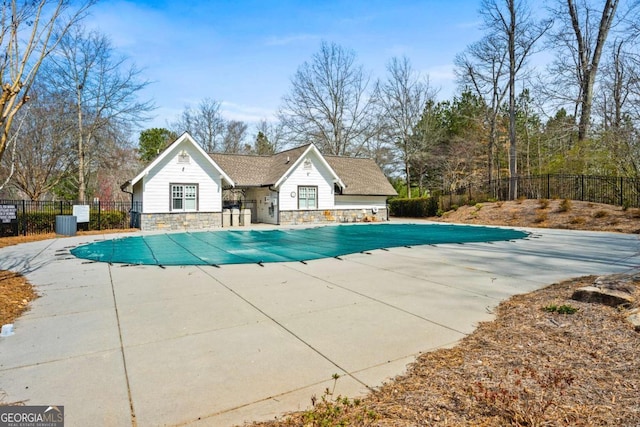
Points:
(361, 176)
(250, 170)
(246, 170)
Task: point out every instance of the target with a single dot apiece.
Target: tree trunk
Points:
(82, 186)
(406, 171)
(589, 64)
(513, 153)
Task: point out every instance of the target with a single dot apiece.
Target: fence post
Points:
(621, 191)
(61, 212)
(582, 188)
(24, 218)
(548, 186)
(99, 223)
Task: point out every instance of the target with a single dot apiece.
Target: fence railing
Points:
(25, 217)
(610, 190)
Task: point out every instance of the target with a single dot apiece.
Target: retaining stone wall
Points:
(180, 221)
(331, 216)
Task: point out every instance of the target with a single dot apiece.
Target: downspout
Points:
(124, 190)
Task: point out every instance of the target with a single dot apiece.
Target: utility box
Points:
(66, 225)
(245, 217)
(235, 217)
(226, 218)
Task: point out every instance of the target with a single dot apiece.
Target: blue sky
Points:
(244, 53)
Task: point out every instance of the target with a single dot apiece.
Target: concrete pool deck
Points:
(204, 346)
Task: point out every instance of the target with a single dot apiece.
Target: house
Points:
(187, 188)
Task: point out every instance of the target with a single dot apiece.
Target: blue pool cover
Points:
(254, 246)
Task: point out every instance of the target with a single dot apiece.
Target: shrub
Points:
(544, 203)
(108, 220)
(565, 205)
(561, 309)
(523, 396)
(478, 206)
(600, 214)
(578, 220)
(540, 217)
(415, 208)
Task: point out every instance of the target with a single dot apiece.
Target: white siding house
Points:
(309, 184)
(181, 182)
(186, 188)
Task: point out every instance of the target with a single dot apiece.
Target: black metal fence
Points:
(24, 217)
(610, 190)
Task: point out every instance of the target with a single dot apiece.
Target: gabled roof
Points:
(356, 176)
(259, 171)
(361, 176)
(173, 147)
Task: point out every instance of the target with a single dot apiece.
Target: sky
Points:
(244, 53)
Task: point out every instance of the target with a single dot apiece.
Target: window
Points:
(307, 197)
(184, 197)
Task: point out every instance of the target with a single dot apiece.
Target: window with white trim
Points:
(307, 197)
(184, 197)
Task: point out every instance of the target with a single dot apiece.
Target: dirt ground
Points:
(538, 363)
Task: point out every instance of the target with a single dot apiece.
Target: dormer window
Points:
(183, 157)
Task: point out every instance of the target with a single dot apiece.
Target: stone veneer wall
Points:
(331, 216)
(180, 221)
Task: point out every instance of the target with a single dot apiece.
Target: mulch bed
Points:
(528, 367)
(15, 294)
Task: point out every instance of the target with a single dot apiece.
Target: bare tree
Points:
(514, 22)
(328, 103)
(205, 124)
(234, 140)
(483, 68)
(403, 97)
(46, 145)
(274, 134)
(579, 42)
(514, 34)
(620, 108)
(105, 92)
(27, 37)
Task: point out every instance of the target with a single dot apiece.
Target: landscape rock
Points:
(610, 297)
(614, 290)
(634, 319)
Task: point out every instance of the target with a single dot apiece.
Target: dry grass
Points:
(544, 213)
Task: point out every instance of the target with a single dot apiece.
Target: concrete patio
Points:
(198, 345)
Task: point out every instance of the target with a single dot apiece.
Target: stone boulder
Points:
(614, 290)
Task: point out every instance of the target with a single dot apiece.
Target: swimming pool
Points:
(264, 246)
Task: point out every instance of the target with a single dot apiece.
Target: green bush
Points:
(39, 222)
(108, 220)
(414, 208)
